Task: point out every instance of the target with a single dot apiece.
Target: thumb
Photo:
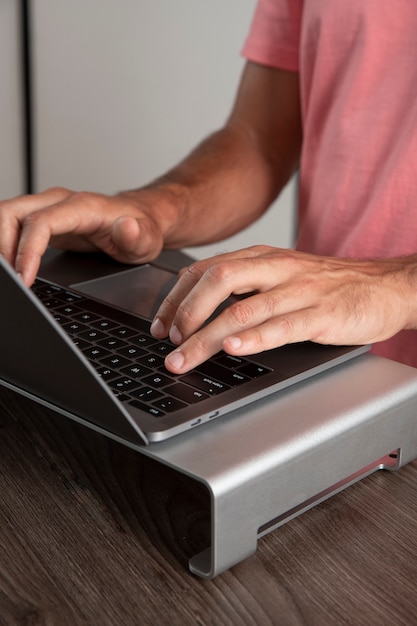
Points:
(135, 239)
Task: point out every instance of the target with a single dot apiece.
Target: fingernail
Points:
(157, 328)
(176, 359)
(175, 335)
(234, 342)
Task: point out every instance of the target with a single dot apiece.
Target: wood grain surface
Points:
(94, 533)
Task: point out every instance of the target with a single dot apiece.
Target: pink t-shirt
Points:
(358, 177)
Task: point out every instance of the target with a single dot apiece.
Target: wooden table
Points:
(94, 533)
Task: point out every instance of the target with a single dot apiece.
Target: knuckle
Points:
(261, 249)
(85, 197)
(193, 272)
(32, 219)
(37, 222)
(23, 256)
(221, 272)
(186, 315)
(169, 306)
(12, 205)
(286, 327)
(259, 340)
(92, 203)
(241, 313)
(57, 190)
(271, 304)
(200, 345)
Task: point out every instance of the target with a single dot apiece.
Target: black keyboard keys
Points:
(131, 361)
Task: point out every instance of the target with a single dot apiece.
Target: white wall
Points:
(11, 154)
(124, 88)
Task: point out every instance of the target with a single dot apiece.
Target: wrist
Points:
(164, 203)
(410, 289)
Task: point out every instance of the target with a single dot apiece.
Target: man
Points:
(330, 87)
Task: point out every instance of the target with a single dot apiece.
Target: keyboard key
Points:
(124, 383)
(228, 376)
(123, 332)
(161, 348)
(95, 352)
(132, 352)
(122, 397)
(205, 383)
(253, 370)
(50, 303)
(68, 309)
(112, 343)
(146, 394)
(152, 360)
(61, 319)
(80, 343)
(92, 335)
(107, 374)
(135, 370)
(142, 341)
(74, 328)
(85, 317)
(147, 408)
(104, 324)
(115, 361)
(70, 296)
(169, 405)
(157, 381)
(230, 361)
(190, 395)
(41, 288)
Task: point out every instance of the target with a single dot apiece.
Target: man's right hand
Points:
(123, 226)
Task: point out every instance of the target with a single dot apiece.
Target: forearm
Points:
(407, 279)
(232, 177)
(220, 188)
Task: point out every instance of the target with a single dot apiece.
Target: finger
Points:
(197, 349)
(200, 290)
(135, 240)
(164, 317)
(39, 227)
(296, 326)
(33, 242)
(125, 234)
(189, 277)
(241, 316)
(15, 210)
(9, 237)
(20, 206)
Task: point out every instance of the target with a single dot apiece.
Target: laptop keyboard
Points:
(131, 361)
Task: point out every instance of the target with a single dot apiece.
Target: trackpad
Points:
(139, 290)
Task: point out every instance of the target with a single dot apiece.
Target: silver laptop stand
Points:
(268, 463)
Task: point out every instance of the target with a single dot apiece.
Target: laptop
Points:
(82, 347)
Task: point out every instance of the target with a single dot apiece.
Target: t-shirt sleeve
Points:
(274, 34)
